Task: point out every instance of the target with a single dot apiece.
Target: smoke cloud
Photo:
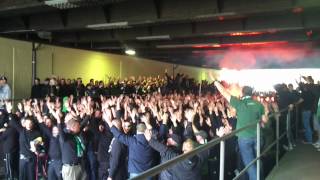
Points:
(262, 57)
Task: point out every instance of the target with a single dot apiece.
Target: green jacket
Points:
(248, 111)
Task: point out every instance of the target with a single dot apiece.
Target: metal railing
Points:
(157, 169)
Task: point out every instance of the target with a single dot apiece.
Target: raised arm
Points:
(220, 88)
(125, 139)
(222, 91)
(13, 118)
(161, 148)
(43, 128)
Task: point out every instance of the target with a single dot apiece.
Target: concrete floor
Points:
(302, 163)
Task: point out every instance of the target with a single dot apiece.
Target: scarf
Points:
(79, 145)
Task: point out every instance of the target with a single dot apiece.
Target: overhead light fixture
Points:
(215, 45)
(55, 2)
(18, 31)
(109, 47)
(62, 4)
(148, 38)
(114, 25)
(185, 45)
(246, 33)
(130, 52)
(203, 16)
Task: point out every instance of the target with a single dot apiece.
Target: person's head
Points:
(290, 87)
(98, 114)
(201, 137)
(68, 82)
(73, 125)
(3, 80)
(310, 80)
(46, 81)
(188, 145)
(28, 123)
(55, 131)
(52, 82)
(79, 81)
(62, 82)
(127, 126)
(48, 122)
(37, 81)
(246, 91)
(101, 84)
(57, 104)
(92, 81)
(141, 127)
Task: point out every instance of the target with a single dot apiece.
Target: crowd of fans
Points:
(68, 130)
(60, 87)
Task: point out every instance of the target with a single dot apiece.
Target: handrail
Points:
(157, 169)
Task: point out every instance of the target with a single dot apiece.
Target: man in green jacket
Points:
(248, 111)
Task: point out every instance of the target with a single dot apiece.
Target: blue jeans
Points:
(306, 115)
(91, 165)
(248, 149)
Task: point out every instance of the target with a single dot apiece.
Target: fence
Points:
(157, 169)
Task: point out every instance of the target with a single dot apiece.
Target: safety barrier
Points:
(157, 169)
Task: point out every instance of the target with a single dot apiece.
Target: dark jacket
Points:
(141, 155)
(54, 144)
(9, 138)
(36, 91)
(68, 147)
(118, 156)
(189, 169)
(104, 141)
(25, 137)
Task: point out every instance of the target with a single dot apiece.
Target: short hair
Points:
(247, 91)
(3, 78)
(72, 122)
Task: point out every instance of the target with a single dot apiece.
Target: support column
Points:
(34, 62)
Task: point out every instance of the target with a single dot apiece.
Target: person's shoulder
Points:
(234, 99)
(6, 86)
